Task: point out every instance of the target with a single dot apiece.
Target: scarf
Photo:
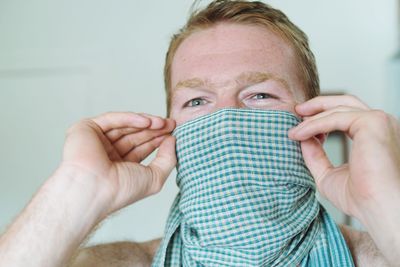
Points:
(246, 197)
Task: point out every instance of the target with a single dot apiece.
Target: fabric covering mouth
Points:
(246, 196)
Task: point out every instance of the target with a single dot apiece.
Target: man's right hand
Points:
(99, 174)
(110, 147)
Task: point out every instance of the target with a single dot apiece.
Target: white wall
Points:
(64, 60)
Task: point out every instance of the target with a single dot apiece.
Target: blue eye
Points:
(195, 102)
(261, 96)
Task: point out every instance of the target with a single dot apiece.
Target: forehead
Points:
(226, 50)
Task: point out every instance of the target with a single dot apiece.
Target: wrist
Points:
(373, 211)
(380, 218)
(56, 221)
(82, 189)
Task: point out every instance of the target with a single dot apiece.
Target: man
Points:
(228, 55)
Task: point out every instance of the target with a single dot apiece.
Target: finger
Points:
(323, 103)
(156, 121)
(108, 147)
(132, 141)
(129, 142)
(162, 165)
(330, 111)
(115, 134)
(330, 180)
(338, 109)
(315, 159)
(112, 120)
(141, 152)
(336, 121)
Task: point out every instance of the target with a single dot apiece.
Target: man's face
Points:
(233, 65)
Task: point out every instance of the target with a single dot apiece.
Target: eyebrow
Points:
(190, 83)
(243, 78)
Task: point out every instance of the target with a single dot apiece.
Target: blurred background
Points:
(61, 61)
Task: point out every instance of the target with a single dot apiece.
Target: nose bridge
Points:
(228, 101)
(228, 98)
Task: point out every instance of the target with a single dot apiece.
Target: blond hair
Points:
(248, 13)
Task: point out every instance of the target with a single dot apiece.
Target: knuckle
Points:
(72, 128)
(356, 102)
(380, 117)
(378, 122)
(156, 183)
(353, 98)
(113, 134)
(117, 133)
(103, 115)
(131, 140)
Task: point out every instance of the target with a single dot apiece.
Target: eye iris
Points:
(196, 102)
(261, 96)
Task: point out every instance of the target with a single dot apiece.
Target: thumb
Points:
(331, 181)
(317, 162)
(162, 165)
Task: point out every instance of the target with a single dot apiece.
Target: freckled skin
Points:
(223, 52)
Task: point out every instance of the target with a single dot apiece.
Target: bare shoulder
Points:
(362, 247)
(121, 254)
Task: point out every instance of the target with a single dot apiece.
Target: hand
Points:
(110, 148)
(368, 186)
(373, 171)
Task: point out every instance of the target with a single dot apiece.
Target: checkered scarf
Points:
(246, 197)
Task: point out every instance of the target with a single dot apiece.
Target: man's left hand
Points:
(368, 186)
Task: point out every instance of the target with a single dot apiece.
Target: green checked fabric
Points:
(246, 197)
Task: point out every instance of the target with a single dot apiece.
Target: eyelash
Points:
(267, 96)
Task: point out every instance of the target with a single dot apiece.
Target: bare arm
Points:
(53, 223)
(100, 174)
(120, 254)
(363, 249)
